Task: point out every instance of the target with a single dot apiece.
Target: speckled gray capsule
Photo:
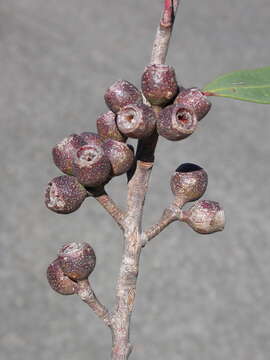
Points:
(64, 194)
(136, 121)
(176, 122)
(120, 155)
(120, 94)
(91, 166)
(194, 98)
(159, 84)
(189, 182)
(63, 152)
(107, 127)
(205, 217)
(77, 260)
(91, 138)
(58, 281)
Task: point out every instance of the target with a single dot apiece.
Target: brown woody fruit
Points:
(120, 94)
(120, 155)
(189, 182)
(176, 122)
(136, 121)
(64, 194)
(107, 127)
(194, 98)
(205, 217)
(159, 84)
(91, 138)
(58, 281)
(63, 152)
(91, 166)
(77, 260)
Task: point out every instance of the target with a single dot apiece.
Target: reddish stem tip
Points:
(168, 14)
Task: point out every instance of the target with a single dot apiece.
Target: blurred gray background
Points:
(199, 297)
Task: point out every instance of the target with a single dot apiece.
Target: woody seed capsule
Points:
(120, 155)
(91, 138)
(189, 182)
(176, 122)
(159, 84)
(77, 260)
(205, 217)
(64, 194)
(63, 152)
(107, 127)
(120, 94)
(91, 166)
(136, 121)
(194, 98)
(58, 281)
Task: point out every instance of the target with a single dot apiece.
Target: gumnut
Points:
(107, 127)
(120, 94)
(159, 84)
(176, 122)
(120, 155)
(205, 217)
(58, 281)
(77, 260)
(136, 121)
(91, 138)
(194, 98)
(64, 194)
(189, 182)
(63, 152)
(91, 166)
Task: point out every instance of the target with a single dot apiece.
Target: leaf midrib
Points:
(240, 86)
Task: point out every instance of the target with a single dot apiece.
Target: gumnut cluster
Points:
(189, 183)
(90, 160)
(75, 262)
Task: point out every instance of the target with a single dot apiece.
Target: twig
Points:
(87, 295)
(104, 199)
(137, 188)
(169, 215)
(164, 31)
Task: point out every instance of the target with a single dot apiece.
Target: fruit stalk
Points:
(104, 199)
(88, 296)
(170, 214)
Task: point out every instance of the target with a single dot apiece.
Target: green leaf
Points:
(246, 85)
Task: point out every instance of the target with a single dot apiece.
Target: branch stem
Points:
(126, 285)
(132, 223)
(164, 31)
